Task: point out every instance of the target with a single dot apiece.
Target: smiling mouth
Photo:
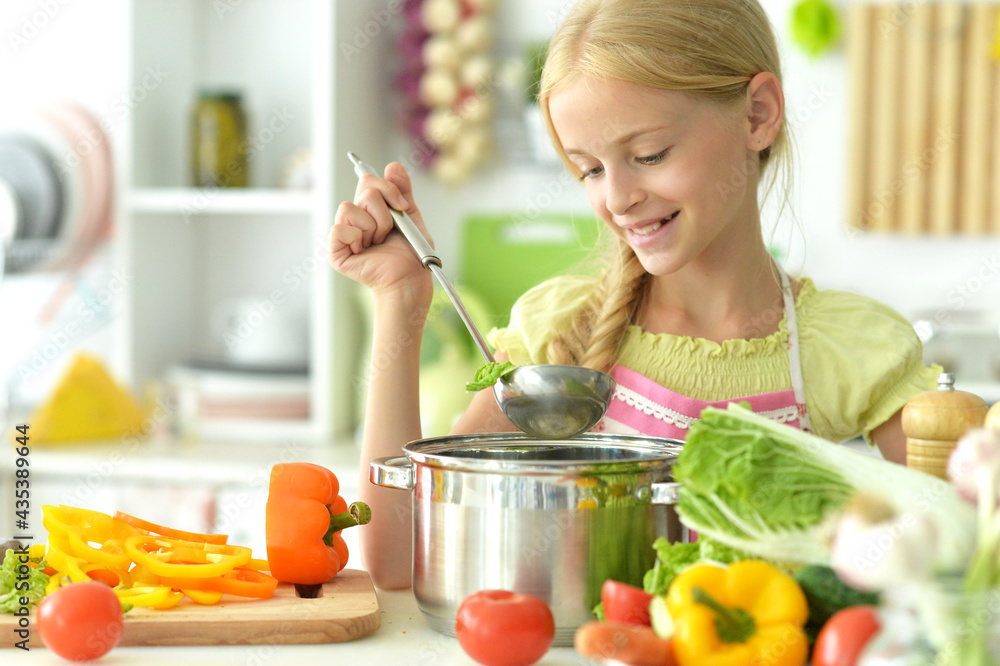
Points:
(645, 231)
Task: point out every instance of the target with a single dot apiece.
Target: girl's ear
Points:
(767, 110)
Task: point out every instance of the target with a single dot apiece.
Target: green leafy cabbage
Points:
(771, 490)
(673, 558)
(10, 596)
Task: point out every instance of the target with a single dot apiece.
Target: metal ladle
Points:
(544, 401)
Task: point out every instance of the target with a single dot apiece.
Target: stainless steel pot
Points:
(552, 518)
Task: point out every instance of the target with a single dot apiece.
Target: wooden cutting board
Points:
(347, 609)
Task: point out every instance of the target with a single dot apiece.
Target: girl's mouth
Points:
(650, 228)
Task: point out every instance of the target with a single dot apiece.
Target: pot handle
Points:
(668, 492)
(395, 472)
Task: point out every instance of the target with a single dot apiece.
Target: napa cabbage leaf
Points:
(773, 491)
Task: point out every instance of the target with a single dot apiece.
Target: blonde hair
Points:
(707, 48)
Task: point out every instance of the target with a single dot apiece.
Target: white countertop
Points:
(404, 639)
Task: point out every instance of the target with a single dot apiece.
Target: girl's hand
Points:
(362, 246)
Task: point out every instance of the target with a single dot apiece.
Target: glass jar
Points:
(219, 145)
(938, 624)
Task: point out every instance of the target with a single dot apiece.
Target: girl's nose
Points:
(623, 190)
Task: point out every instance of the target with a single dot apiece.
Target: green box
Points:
(504, 255)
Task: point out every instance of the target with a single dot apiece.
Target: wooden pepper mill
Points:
(934, 421)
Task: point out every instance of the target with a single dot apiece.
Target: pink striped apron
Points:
(641, 406)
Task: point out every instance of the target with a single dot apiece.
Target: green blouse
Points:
(861, 361)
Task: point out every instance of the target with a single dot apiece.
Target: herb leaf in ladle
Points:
(488, 374)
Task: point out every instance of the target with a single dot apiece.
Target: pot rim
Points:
(642, 453)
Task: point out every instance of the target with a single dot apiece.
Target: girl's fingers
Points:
(398, 177)
(369, 213)
(376, 195)
(396, 174)
(390, 190)
(376, 223)
(353, 227)
(344, 237)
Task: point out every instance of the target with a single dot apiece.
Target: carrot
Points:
(629, 643)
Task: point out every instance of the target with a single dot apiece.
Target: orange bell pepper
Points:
(238, 582)
(166, 531)
(166, 556)
(303, 518)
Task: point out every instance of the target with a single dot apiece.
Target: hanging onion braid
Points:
(598, 327)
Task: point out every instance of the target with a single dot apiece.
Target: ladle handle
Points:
(477, 337)
(403, 222)
(430, 261)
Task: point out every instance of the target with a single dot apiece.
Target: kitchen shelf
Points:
(188, 250)
(195, 201)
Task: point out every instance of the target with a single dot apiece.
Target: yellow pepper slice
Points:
(99, 526)
(258, 565)
(747, 613)
(105, 556)
(142, 596)
(158, 596)
(58, 558)
(140, 575)
(56, 581)
(172, 600)
(82, 526)
(204, 597)
(162, 560)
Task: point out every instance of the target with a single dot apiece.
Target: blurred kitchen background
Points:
(167, 343)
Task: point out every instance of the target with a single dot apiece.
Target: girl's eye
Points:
(652, 159)
(590, 173)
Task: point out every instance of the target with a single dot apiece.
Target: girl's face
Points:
(672, 175)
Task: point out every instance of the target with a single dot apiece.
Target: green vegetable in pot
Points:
(770, 490)
(488, 374)
(613, 511)
(16, 582)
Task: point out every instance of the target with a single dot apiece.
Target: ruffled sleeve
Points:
(861, 361)
(538, 315)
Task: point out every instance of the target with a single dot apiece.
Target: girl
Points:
(669, 112)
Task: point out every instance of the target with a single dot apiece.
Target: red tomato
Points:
(503, 628)
(845, 635)
(625, 603)
(81, 621)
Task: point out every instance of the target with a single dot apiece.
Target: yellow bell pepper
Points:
(746, 613)
(152, 597)
(257, 564)
(57, 556)
(204, 597)
(82, 526)
(56, 581)
(169, 557)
